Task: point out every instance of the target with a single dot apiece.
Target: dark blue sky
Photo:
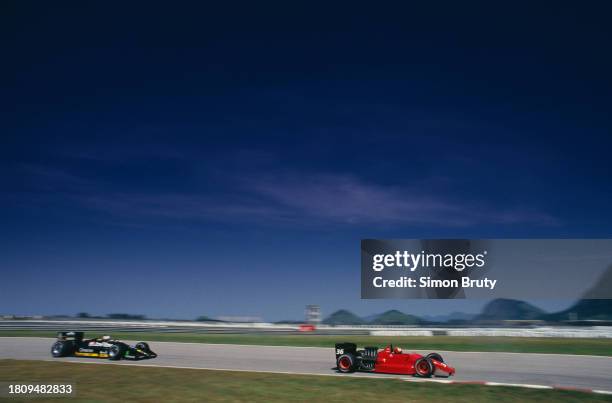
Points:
(179, 161)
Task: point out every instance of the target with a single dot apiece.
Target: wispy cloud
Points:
(349, 200)
(298, 199)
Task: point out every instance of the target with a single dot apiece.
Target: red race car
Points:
(390, 360)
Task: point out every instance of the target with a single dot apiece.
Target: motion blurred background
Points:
(214, 161)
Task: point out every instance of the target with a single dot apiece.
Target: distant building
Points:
(313, 314)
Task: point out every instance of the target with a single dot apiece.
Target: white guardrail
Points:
(534, 331)
(592, 332)
(150, 323)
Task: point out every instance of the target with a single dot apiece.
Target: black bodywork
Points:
(73, 344)
(365, 360)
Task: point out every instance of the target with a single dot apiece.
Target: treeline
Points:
(128, 316)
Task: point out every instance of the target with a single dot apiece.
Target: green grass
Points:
(505, 344)
(119, 383)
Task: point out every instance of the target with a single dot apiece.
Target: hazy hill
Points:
(509, 309)
(602, 287)
(395, 317)
(454, 316)
(343, 317)
(589, 307)
(584, 309)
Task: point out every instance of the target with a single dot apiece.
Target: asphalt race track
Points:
(590, 372)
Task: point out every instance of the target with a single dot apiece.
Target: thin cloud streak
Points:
(292, 199)
(348, 200)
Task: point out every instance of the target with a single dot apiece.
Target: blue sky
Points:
(207, 161)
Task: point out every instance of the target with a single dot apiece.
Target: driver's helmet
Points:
(106, 338)
(397, 350)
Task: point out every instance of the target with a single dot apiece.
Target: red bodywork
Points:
(390, 362)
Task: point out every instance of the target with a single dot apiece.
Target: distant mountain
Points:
(451, 317)
(589, 307)
(509, 309)
(602, 287)
(370, 318)
(343, 317)
(584, 309)
(395, 317)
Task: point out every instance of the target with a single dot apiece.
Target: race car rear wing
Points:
(76, 336)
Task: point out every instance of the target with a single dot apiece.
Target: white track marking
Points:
(519, 385)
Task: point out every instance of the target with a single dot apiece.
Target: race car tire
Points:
(423, 367)
(346, 363)
(142, 346)
(61, 348)
(115, 352)
(435, 356)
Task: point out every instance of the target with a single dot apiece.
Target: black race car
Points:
(73, 344)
